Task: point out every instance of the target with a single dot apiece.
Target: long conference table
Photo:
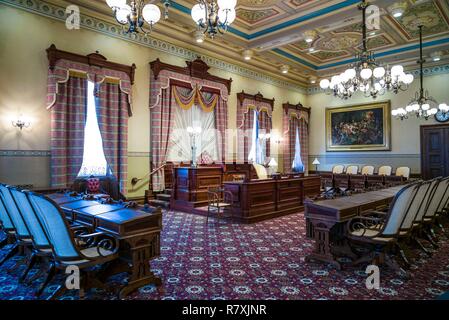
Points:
(326, 221)
(137, 228)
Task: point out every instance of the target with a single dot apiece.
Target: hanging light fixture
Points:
(214, 17)
(422, 105)
(366, 74)
(135, 14)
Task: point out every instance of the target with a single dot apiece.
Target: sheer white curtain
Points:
(297, 165)
(181, 147)
(257, 152)
(94, 161)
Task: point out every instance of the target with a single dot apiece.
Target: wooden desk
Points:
(266, 199)
(326, 220)
(138, 230)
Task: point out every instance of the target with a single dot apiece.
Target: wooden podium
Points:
(191, 185)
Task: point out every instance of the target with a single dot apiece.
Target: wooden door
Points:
(434, 151)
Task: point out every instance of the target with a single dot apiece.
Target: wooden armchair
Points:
(219, 201)
(368, 170)
(69, 248)
(352, 170)
(385, 171)
(381, 233)
(403, 172)
(338, 169)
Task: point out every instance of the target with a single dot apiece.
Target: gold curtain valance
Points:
(195, 97)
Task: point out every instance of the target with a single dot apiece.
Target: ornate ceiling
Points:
(274, 30)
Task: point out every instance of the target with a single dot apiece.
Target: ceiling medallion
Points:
(422, 105)
(366, 74)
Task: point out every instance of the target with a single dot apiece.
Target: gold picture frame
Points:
(371, 123)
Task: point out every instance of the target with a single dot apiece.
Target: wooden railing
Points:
(134, 181)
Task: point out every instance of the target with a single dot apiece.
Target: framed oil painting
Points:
(359, 128)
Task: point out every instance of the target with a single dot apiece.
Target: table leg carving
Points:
(323, 248)
(142, 250)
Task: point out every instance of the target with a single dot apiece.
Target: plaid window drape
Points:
(290, 140)
(113, 111)
(162, 104)
(265, 125)
(68, 117)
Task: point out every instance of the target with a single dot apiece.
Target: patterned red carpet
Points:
(260, 261)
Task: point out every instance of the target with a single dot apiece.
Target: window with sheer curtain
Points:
(297, 165)
(94, 160)
(258, 150)
(180, 141)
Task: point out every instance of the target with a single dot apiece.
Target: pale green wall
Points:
(23, 64)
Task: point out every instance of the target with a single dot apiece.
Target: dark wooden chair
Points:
(219, 202)
(375, 182)
(84, 251)
(381, 233)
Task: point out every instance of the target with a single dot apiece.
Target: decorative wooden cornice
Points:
(299, 107)
(257, 97)
(195, 69)
(93, 59)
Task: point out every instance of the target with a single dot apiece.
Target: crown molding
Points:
(87, 22)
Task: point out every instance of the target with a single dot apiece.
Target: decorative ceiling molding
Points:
(94, 24)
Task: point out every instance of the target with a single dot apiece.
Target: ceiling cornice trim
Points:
(56, 12)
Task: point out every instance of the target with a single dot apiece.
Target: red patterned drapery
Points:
(295, 116)
(247, 105)
(68, 117)
(114, 93)
(173, 87)
(113, 111)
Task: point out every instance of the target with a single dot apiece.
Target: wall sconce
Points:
(21, 123)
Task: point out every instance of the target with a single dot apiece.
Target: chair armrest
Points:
(100, 240)
(363, 222)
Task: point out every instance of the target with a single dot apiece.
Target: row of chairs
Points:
(369, 170)
(37, 229)
(411, 218)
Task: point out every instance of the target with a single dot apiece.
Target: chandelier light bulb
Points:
(433, 111)
(199, 13)
(351, 73)
(379, 72)
(397, 71)
(123, 14)
(443, 107)
(378, 86)
(366, 73)
(425, 106)
(151, 13)
(226, 16)
(324, 84)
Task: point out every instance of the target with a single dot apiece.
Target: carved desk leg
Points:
(323, 250)
(142, 250)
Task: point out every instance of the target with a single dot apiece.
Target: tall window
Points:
(297, 165)
(256, 153)
(180, 141)
(94, 161)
